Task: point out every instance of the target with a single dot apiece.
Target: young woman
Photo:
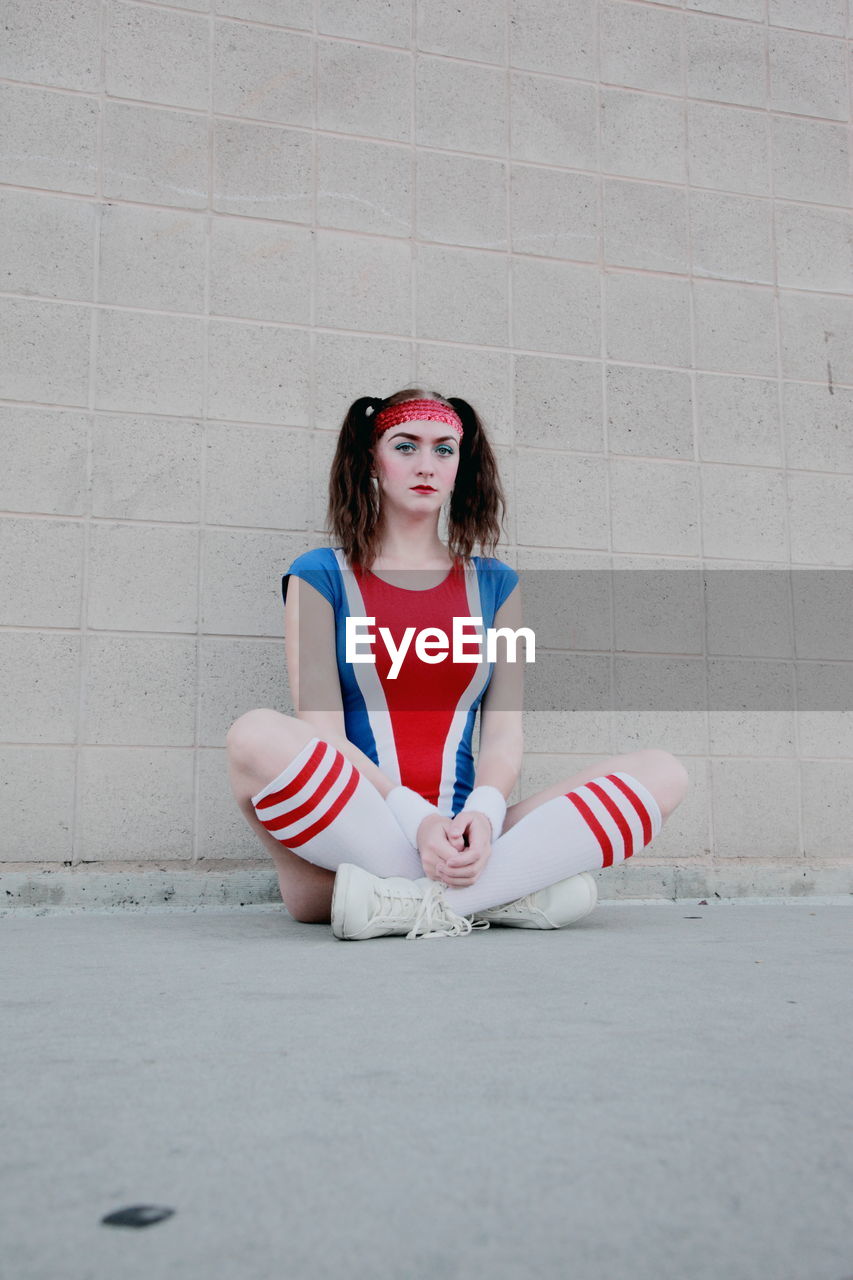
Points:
(368, 799)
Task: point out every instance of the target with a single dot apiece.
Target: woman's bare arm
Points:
(309, 646)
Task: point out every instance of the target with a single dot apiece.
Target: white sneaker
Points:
(560, 904)
(368, 906)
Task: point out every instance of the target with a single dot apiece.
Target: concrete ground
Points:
(661, 1092)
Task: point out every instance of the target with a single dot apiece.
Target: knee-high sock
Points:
(596, 825)
(327, 812)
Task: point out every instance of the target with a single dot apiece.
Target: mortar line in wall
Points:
(694, 423)
(783, 453)
(414, 258)
(603, 365)
(203, 439)
(510, 286)
(91, 389)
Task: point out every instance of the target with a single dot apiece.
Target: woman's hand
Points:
(436, 845)
(455, 850)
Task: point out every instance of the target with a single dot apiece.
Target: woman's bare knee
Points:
(665, 776)
(262, 739)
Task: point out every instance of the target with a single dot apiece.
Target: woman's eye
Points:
(446, 451)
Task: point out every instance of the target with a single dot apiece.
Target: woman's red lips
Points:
(423, 488)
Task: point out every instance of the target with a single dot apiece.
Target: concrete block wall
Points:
(622, 229)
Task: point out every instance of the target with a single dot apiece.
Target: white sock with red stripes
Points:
(327, 812)
(596, 825)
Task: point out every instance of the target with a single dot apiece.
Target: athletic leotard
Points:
(417, 727)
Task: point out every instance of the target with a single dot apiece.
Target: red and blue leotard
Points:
(418, 727)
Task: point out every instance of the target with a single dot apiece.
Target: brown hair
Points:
(477, 504)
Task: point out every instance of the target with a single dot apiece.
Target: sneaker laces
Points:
(435, 919)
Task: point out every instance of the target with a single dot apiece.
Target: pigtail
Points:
(353, 508)
(478, 502)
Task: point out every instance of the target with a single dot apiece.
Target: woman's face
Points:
(416, 464)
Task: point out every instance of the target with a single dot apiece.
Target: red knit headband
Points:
(418, 411)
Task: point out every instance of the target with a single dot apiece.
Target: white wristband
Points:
(409, 809)
(490, 801)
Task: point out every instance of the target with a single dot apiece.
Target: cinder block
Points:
(723, 405)
(752, 730)
(36, 803)
(44, 452)
(447, 313)
(146, 469)
(748, 614)
(728, 148)
(556, 36)
(808, 75)
(242, 580)
(547, 732)
(235, 677)
(149, 363)
(45, 349)
(155, 156)
(364, 91)
(748, 9)
(554, 121)
(445, 26)
(152, 258)
(755, 808)
(562, 501)
(556, 306)
(477, 213)
(735, 327)
(648, 319)
(461, 107)
(817, 427)
(258, 476)
(656, 612)
(388, 23)
(52, 45)
(640, 47)
(824, 16)
(732, 237)
(820, 732)
(364, 186)
(41, 563)
(480, 377)
(813, 248)
(363, 283)
(668, 525)
(262, 171)
(819, 514)
(643, 136)
(743, 513)
(223, 832)
(810, 160)
(143, 578)
(726, 60)
(283, 13)
(649, 412)
(323, 445)
(261, 270)
(262, 73)
(347, 367)
(47, 244)
(50, 140)
(645, 226)
(157, 55)
(684, 733)
(139, 691)
(817, 337)
(39, 686)
(134, 803)
(554, 214)
(258, 373)
(557, 404)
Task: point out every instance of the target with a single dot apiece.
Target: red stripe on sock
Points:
(616, 814)
(595, 827)
(296, 784)
(330, 814)
(638, 805)
(284, 820)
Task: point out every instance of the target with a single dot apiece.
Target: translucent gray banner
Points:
(622, 639)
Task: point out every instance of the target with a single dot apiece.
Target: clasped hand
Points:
(455, 850)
